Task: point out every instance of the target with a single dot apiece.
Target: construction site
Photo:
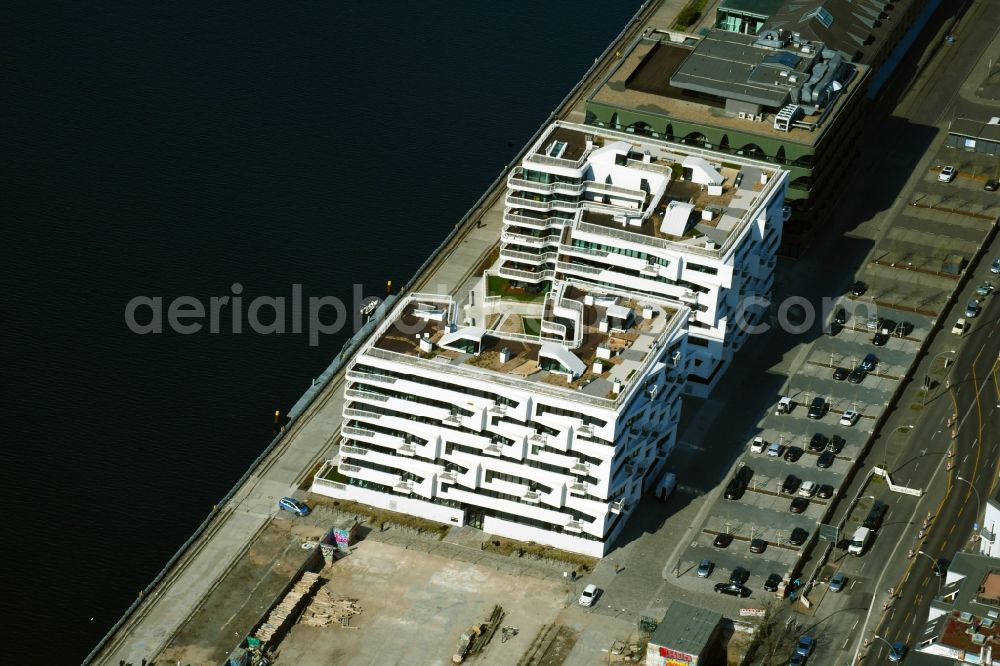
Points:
(342, 588)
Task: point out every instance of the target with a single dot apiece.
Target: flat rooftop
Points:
(716, 216)
(513, 346)
(686, 628)
(647, 77)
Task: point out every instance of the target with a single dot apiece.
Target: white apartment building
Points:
(989, 543)
(523, 426)
(546, 402)
(616, 210)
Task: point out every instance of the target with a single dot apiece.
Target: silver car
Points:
(837, 581)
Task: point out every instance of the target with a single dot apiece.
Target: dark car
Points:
(817, 408)
(791, 484)
(941, 567)
(798, 536)
(818, 442)
(744, 474)
(992, 185)
(837, 444)
(799, 505)
(722, 540)
(825, 459)
(881, 338)
(739, 576)
(793, 453)
(835, 328)
(758, 546)
(869, 362)
(903, 329)
(772, 583)
(840, 374)
(858, 288)
(857, 375)
(840, 316)
(874, 518)
(825, 491)
(733, 590)
(734, 490)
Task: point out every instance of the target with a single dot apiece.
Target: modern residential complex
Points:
(614, 210)
(542, 405)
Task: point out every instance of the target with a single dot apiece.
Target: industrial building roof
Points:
(686, 628)
(853, 27)
(986, 130)
(763, 8)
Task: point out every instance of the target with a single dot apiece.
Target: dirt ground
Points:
(248, 590)
(415, 606)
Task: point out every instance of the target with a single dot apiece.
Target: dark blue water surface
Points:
(174, 148)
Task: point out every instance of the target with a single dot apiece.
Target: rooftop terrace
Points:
(717, 215)
(610, 348)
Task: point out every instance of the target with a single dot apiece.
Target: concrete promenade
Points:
(145, 633)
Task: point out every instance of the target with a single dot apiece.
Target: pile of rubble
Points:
(326, 609)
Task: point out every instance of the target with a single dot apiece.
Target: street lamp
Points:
(934, 571)
(891, 649)
(979, 503)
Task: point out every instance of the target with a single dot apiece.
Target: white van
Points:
(666, 486)
(859, 541)
(807, 489)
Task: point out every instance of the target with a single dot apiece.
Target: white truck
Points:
(859, 541)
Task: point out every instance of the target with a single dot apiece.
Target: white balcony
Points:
(618, 506)
(405, 487)
(578, 488)
(581, 467)
(493, 450)
(532, 497)
(407, 449)
(574, 526)
(448, 476)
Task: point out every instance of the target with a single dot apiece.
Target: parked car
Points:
(874, 518)
(869, 362)
(793, 453)
(825, 491)
(806, 645)
(588, 595)
(739, 576)
(818, 442)
(840, 316)
(857, 375)
(758, 545)
(897, 652)
(785, 405)
(744, 474)
(881, 338)
(874, 322)
(818, 408)
(798, 536)
(734, 490)
(722, 540)
(791, 484)
(298, 507)
(840, 374)
(947, 174)
(772, 583)
(992, 185)
(705, 569)
(734, 590)
(995, 266)
(825, 459)
(758, 445)
(837, 443)
(972, 309)
(837, 581)
(961, 327)
(807, 489)
(858, 288)
(775, 450)
(799, 505)
(941, 567)
(849, 418)
(985, 289)
(902, 329)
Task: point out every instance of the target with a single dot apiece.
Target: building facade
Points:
(543, 403)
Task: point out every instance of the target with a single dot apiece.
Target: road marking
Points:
(935, 434)
(961, 509)
(965, 457)
(909, 635)
(952, 528)
(924, 584)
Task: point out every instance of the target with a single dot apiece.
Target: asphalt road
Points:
(975, 396)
